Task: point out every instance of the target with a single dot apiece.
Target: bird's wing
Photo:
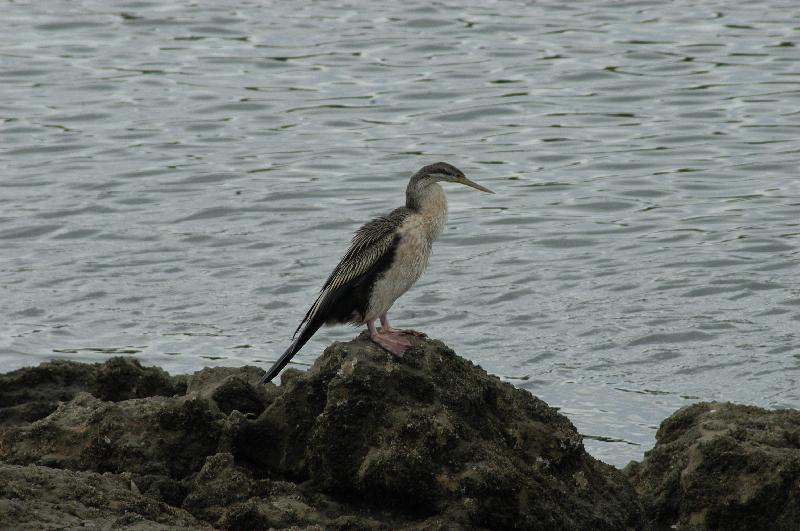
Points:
(368, 246)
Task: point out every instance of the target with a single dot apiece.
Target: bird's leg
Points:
(386, 328)
(394, 343)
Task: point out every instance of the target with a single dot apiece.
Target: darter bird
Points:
(385, 258)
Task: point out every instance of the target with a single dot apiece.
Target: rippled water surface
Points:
(178, 180)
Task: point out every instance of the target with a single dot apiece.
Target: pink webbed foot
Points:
(391, 341)
(397, 345)
(386, 328)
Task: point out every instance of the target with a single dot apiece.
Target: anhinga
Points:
(385, 258)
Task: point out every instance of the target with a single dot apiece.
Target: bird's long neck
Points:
(432, 205)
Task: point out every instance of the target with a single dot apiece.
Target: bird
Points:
(385, 258)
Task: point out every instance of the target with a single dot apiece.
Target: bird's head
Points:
(442, 171)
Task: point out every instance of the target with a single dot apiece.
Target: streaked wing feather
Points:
(368, 245)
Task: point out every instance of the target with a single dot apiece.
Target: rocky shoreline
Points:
(362, 441)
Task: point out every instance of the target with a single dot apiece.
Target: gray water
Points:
(178, 180)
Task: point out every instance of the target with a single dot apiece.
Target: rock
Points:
(37, 497)
(125, 378)
(233, 389)
(32, 393)
(365, 441)
(360, 441)
(723, 466)
(230, 497)
(156, 435)
(219, 484)
(434, 436)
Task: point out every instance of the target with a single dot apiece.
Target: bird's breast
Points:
(409, 262)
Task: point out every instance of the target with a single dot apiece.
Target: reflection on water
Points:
(180, 180)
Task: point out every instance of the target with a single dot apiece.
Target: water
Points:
(178, 180)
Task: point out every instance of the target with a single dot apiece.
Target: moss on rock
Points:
(723, 466)
(434, 435)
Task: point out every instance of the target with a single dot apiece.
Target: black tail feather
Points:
(336, 306)
(309, 330)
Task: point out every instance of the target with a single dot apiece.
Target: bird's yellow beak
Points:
(464, 180)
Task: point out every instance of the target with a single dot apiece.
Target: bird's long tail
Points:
(309, 330)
